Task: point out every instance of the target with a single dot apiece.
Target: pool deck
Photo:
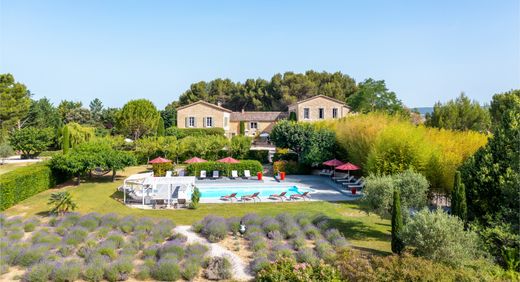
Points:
(324, 188)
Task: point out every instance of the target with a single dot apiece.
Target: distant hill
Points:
(424, 110)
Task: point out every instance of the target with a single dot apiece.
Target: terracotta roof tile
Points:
(257, 116)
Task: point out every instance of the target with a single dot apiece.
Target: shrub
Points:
(116, 238)
(325, 251)
(307, 255)
(143, 272)
(281, 250)
(233, 225)
(196, 251)
(175, 248)
(251, 219)
(311, 232)
(258, 243)
(183, 132)
(285, 269)
(30, 224)
(44, 237)
(258, 155)
(259, 263)
(195, 198)
(107, 249)
(214, 228)
(225, 169)
(298, 243)
(144, 224)
(336, 238)
(38, 273)
(291, 230)
(275, 235)
(160, 169)
(290, 167)
(75, 236)
(66, 271)
(440, 237)
(109, 220)
(119, 270)
(31, 255)
(218, 268)
(66, 250)
(190, 269)
(166, 270)
(378, 192)
(89, 222)
(127, 224)
(270, 224)
(24, 182)
(94, 271)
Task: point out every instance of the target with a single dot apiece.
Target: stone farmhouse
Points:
(202, 114)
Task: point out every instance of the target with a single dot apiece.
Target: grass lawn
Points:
(367, 232)
(8, 167)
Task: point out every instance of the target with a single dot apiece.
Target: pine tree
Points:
(160, 127)
(66, 140)
(455, 193)
(397, 223)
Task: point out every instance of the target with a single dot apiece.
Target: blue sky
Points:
(426, 51)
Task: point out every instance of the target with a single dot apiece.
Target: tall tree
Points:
(96, 110)
(138, 118)
(169, 114)
(31, 141)
(502, 103)
(43, 114)
(65, 144)
(492, 176)
(71, 111)
(160, 127)
(455, 194)
(15, 101)
(372, 95)
(459, 114)
(397, 223)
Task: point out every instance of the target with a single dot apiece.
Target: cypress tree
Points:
(455, 193)
(66, 139)
(242, 128)
(397, 223)
(160, 127)
(462, 207)
(292, 116)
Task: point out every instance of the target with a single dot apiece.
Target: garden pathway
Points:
(238, 265)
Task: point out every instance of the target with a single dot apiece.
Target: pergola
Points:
(146, 186)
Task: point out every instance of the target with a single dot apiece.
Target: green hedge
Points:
(252, 165)
(183, 132)
(259, 155)
(24, 182)
(285, 157)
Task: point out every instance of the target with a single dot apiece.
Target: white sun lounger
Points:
(247, 174)
(202, 174)
(216, 174)
(234, 174)
(169, 173)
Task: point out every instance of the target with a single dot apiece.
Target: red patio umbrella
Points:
(333, 163)
(195, 160)
(228, 160)
(348, 167)
(159, 160)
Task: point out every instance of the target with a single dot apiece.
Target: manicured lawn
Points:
(368, 232)
(8, 167)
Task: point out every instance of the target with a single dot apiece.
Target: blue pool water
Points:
(217, 192)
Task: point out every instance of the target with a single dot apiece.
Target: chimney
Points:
(243, 110)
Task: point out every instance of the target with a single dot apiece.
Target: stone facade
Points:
(309, 109)
(196, 115)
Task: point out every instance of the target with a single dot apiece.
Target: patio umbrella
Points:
(159, 160)
(333, 163)
(228, 160)
(348, 167)
(195, 160)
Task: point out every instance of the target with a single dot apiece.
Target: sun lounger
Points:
(326, 172)
(303, 196)
(234, 174)
(247, 174)
(350, 179)
(202, 174)
(216, 174)
(357, 182)
(229, 197)
(280, 196)
(169, 173)
(251, 197)
(343, 178)
(182, 173)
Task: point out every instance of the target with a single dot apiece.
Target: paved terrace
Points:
(324, 188)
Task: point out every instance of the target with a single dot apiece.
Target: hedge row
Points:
(183, 132)
(259, 155)
(225, 169)
(290, 167)
(23, 182)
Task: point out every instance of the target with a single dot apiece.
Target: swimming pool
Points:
(218, 191)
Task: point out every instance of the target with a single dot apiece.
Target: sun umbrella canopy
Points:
(333, 163)
(195, 160)
(348, 166)
(159, 160)
(228, 160)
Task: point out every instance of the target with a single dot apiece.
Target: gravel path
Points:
(216, 250)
